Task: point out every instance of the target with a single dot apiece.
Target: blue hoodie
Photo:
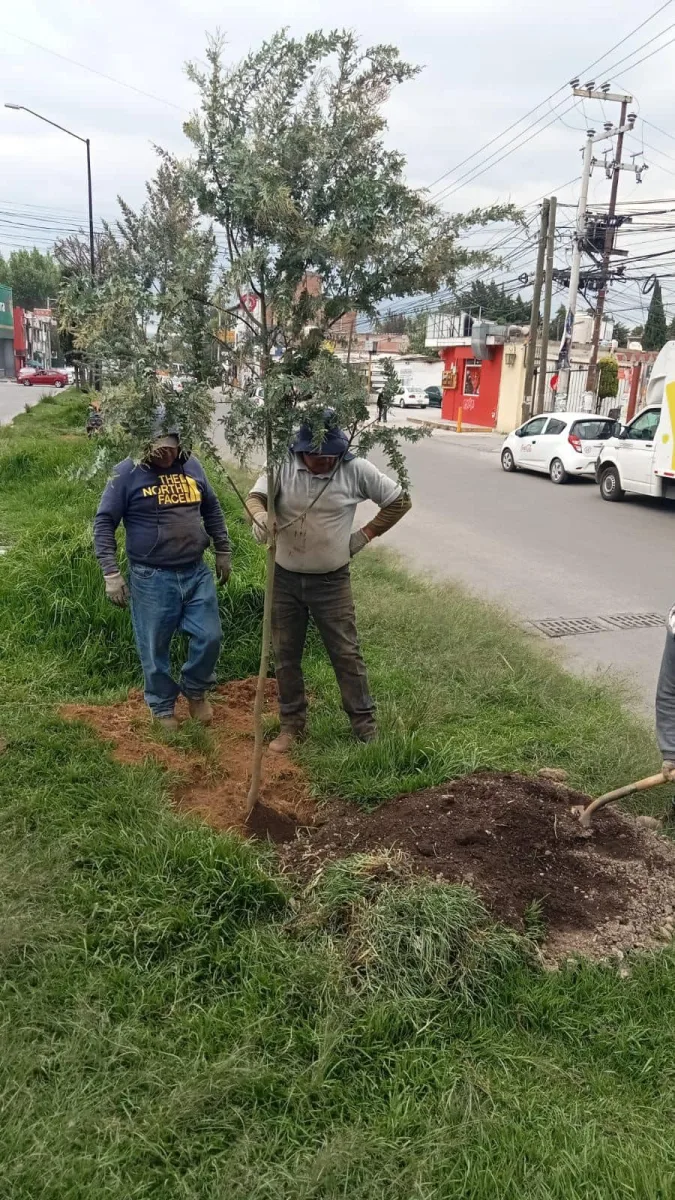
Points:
(169, 514)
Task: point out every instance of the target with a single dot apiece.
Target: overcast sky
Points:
(486, 62)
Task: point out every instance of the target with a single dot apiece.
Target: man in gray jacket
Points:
(318, 491)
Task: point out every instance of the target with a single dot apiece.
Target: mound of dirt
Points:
(515, 841)
(510, 837)
(212, 784)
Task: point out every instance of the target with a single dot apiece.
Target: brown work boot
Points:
(166, 724)
(365, 733)
(200, 709)
(285, 740)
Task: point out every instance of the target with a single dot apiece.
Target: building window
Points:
(472, 378)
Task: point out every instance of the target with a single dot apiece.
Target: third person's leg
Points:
(332, 606)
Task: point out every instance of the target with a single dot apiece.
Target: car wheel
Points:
(508, 461)
(59, 384)
(610, 484)
(26, 382)
(557, 472)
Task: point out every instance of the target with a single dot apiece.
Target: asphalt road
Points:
(14, 397)
(544, 551)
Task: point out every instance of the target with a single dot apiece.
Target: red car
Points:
(47, 376)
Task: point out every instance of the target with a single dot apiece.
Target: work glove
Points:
(357, 541)
(668, 769)
(116, 589)
(223, 566)
(259, 527)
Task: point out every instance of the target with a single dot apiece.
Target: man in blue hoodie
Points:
(170, 514)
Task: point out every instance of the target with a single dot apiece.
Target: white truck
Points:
(641, 458)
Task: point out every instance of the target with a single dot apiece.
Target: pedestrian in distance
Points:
(318, 490)
(382, 407)
(170, 514)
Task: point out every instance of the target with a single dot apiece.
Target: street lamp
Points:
(22, 108)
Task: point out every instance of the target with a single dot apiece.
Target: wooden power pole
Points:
(548, 292)
(534, 315)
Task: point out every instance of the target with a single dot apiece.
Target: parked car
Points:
(563, 444)
(411, 398)
(46, 376)
(434, 396)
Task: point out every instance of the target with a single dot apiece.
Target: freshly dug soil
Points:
(514, 839)
(213, 785)
(511, 837)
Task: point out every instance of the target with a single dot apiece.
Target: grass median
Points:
(177, 1021)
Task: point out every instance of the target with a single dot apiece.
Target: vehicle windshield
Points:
(597, 430)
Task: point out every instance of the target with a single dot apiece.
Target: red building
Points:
(20, 343)
(471, 384)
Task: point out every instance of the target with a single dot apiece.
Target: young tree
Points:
(290, 161)
(655, 334)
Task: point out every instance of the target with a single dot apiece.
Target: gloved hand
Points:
(259, 527)
(223, 566)
(357, 541)
(668, 769)
(116, 589)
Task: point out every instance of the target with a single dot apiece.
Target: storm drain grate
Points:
(555, 627)
(636, 620)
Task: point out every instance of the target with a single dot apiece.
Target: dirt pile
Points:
(515, 841)
(211, 782)
(510, 837)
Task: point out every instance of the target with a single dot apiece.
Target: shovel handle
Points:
(641, 785)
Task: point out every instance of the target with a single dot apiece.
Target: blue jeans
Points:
(164, 601)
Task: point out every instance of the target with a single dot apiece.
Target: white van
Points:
(641, 458)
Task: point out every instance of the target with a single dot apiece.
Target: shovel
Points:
(641, 785)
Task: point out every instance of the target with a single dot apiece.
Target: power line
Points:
(85, 67)
(546, 100)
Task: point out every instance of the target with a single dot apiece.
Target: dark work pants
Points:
(665, 701)
(328, 599)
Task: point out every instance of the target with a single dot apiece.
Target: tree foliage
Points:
(318, 220)
(149, 310)
(491, 300)
(608, 376)
(656, 332)
(34, 277)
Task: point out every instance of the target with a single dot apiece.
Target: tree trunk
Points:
(256, 772)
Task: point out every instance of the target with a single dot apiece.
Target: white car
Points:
(411, 398)
(563, 444)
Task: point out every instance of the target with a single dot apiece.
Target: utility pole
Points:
(589, 92)
(546, 319)
(591, 378)
(534, 315)
(566, 345)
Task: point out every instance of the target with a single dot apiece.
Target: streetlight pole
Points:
(85, 141)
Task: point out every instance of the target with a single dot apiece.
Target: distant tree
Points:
(34, 277)
(636, 333)
(557, 325)
(417, 333)
(396, 323)
(656, 331)
(621, 333)
(608, 377)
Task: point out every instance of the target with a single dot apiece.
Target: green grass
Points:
(178, 1021)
